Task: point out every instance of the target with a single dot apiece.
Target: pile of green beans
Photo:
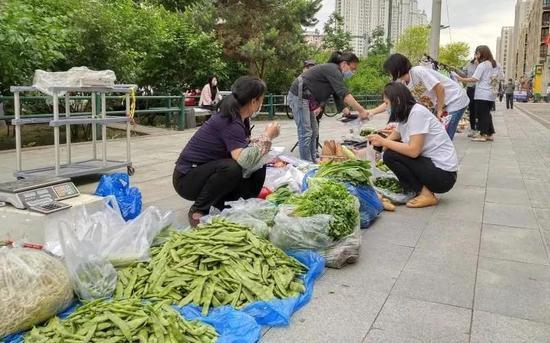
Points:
(123, 321)
(220, 263)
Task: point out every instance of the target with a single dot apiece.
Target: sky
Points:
(476, 22)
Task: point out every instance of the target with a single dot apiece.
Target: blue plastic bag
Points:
(128, 198)
(369, 204)
(231, 325)
(278, 312)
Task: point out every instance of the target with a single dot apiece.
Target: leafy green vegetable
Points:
(389, 184)
(367, 131)
(329, 197)
(381, 166)
(281, 195)
(354, 171)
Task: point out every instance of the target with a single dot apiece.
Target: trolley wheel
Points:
(330, 115)
(131, 170)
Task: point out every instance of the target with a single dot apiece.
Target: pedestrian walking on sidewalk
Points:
(509, 90)
(420, 153)
(487, 76)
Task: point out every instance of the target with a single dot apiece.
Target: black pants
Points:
(214, 183)
(483, 110)
(509, 101)
(413, 173)
(471, 107)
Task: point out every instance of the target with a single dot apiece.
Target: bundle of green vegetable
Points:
(221, 263)
(123, 321)
(389, 183)
(381, 166)
(367, 131)
(325, 196)
(281, 195)
(354, 171)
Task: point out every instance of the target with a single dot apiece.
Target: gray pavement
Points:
(476, 268)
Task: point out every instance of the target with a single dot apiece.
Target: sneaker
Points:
(481, 138)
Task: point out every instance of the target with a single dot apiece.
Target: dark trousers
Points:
(471, 107)
(214, 183)
(413, 173)
(483, 110)
(509, 101)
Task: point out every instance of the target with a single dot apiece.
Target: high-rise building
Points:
(362, 17)
(521, 19)
(504, 53)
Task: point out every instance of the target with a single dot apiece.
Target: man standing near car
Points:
(509, 91)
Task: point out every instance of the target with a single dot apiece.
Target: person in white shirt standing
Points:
(487, 77)
(420, 153)
(430, 88)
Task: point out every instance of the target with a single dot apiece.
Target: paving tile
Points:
(389, 228)
(539, 193)
(515, 244)
(509, 215)
(438, 277)
(507, 196)
(494, 328)
(463, 203)
(505, 181)
(409, 320)
(335, 314)
(513, 289)
(446, 236)
(377, 269)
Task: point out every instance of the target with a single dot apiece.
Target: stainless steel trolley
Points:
(70, 168)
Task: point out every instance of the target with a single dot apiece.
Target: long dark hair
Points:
(213, 89)
(401, 99)
(397, 65)
(243, 91)
(338, 57)
(485, 55)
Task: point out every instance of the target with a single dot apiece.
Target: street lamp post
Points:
(435, 29)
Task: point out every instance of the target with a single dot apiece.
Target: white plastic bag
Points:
(74, 77)
(92, 276)
(289, 175)
(107, 234)
(34, 286)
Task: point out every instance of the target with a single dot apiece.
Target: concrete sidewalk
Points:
(475, 268)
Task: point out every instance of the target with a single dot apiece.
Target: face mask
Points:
(347, 74)
(254, 115)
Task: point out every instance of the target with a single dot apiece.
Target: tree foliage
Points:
(378, 43)
(336, 38)
(454, 54)
(413, 43)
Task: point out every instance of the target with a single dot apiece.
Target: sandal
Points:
(490, 138)
(479, 139)
(422, 201)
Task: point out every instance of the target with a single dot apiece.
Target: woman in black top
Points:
(320, 83)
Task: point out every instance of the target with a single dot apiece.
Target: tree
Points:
(413, 43)
(370, 77)
(454, 54)
(336, 38)
(378, 44)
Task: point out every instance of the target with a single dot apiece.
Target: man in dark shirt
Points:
(509, 91)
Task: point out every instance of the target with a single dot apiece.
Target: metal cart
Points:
(70, 168)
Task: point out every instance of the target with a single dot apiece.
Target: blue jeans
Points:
(308, 129)
(455, 119)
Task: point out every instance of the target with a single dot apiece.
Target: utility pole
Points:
(390, 5)
(435, 29)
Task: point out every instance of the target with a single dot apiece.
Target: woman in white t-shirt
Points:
(419, 152)
(430, 88)
(487, 78)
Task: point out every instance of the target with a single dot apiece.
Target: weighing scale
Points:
(39, 195)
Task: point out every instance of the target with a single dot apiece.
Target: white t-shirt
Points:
(437, 145)
(489, 78)
(423, 81)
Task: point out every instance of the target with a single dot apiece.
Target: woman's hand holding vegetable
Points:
(377, 140)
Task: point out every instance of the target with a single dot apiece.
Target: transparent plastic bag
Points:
(289, 175)
(92, 276)
(258, 227)
(257, 208)
(312, 233)
(107, 234)
(74, 77)
(34, 286)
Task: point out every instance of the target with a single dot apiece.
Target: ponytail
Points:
(338, 57)
(244, 90)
